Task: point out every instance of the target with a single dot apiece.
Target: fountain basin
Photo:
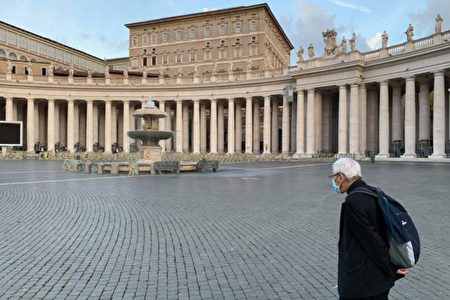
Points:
(150, 137)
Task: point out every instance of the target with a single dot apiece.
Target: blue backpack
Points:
(404, 243)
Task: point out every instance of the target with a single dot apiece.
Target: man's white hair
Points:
(347, 166)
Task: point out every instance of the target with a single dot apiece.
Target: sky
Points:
(97, 26)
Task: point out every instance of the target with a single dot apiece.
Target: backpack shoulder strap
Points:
(365, 191)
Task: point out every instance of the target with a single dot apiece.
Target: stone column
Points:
(71, 125)
(439, 116)
(161, 124)
(285, 126)
(196, 126)
(267, 139)
(30, 125)
(95, 117)
(343, 120)
(384, 120)
(410, 119)
(310, 125)
(108, 124)
(185, 127)
(300, 123)
(326, 123)
(76, 118)
(231, 136)
(179, 126)
(372, 121)
(36, 122)
(220, 128)
(396, 112)
(89, 125)
(318, 121)
(256, 129)
(126, 125)
(169, 127)
(213, 124)
(249, 125)
(354, 119)
(238, 127)
(203, 125)
(293, 127)
(50, 125)
(362, 119)
(424, 110)
(9, 109)
(275, 145)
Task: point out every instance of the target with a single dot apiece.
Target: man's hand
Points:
(402, 271)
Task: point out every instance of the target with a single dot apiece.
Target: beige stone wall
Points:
(236, 46)
(26, 46)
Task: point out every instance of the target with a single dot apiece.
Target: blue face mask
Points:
(336, 188)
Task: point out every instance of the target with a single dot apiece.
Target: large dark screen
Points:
(9, 134)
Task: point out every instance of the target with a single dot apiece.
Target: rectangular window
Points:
(165, 37)
(135, 41)
(154, 38)
(13, 70)
(23, 42)
(11, 38)
(237, 27)
(254, 50)
(253, 25)
(153, 60)
(222, 29)
(193, 33)
(207, 31)
(178, 35)
(222, 54)
(44, 72)
(237, 52)
(208, 55)
(144, 61)
(134, 62)
(145, 39)
(178, 58)
(165, 59)
(193, 56)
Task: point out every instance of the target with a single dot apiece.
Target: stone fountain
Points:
(150, 135)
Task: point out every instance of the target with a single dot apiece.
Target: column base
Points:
(382, 156)
(409, 155)
(438, 156)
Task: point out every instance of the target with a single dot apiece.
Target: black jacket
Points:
(364, 267)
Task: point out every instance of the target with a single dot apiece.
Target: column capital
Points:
(410, 78)
(343, 86)
(354, 84)
(383, 82)
(438, 73)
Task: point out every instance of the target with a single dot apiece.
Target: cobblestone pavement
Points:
(251, 231)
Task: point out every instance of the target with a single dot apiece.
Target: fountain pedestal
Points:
(149, 154)
(150, 135)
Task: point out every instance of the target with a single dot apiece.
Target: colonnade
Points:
(387, 118)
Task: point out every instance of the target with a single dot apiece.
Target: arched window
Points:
(23, 58)
(12, 56)
(2, 53)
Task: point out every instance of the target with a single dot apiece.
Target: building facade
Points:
(393, 101)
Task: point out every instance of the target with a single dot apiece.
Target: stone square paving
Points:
(251, 231)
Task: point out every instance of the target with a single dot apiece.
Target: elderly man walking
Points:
(365, 270)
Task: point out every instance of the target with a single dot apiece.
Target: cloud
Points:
(424, 22)
(373, 41)
(309, 26)
(360, 8)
